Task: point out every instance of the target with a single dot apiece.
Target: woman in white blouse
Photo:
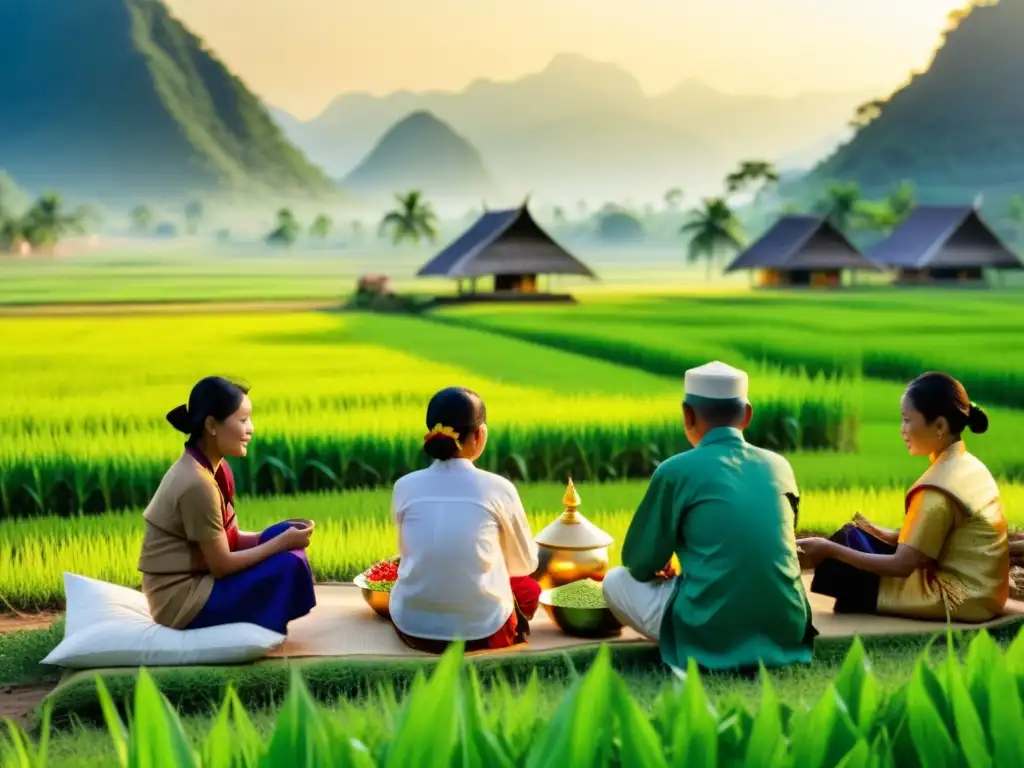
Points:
(467, 553)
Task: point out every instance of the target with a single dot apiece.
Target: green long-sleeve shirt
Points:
(722, 508)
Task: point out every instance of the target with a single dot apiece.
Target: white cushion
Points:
(110, 626)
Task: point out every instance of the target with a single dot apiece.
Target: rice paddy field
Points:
(354, 530)
(590, 391)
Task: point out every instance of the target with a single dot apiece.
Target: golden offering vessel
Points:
(571, 547)
(379, 601)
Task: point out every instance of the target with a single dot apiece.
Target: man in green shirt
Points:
(728, 510)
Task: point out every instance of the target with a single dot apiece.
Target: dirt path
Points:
(18, 701)
(162, 308)
(15, 622)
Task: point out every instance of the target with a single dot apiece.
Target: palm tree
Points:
(11, 233)
(321, 226)
(413, 220)
(193, 215)
(46, 221)
(141, 218)
(10, 224)
(713, 230)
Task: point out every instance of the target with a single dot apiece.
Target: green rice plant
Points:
(959, 712)
(339, 403)
(354, 530)
(979, 339)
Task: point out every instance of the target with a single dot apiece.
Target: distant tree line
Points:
(42, 225)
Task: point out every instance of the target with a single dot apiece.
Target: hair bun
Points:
(180, 419)
(977, 420)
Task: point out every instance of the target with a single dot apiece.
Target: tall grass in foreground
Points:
(957, 713)
(354, 530)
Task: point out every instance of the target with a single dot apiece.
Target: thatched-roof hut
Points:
(509, 246)
(944, 243)
(802, 250)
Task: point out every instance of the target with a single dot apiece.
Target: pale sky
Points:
(300, 54)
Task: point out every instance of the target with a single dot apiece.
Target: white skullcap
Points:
(716, 381)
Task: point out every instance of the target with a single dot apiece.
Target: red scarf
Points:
(226, 483)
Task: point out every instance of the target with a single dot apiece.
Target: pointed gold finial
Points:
(571, 530)
(571, 499)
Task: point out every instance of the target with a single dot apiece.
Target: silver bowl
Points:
(379, 601)
(581, 622)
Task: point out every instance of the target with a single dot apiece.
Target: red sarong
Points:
(525, 597)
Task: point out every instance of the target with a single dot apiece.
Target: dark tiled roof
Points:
(490, 247)
(920, 241)
(802, 242)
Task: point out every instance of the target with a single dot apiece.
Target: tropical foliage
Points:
(950, 712)
(46, 222)
(287, 230)
(847, 209)
(413, 219)
(193, 216)
(714, 231)
(140, 218)
(321, 226)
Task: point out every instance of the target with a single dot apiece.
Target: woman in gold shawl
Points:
(951, 557)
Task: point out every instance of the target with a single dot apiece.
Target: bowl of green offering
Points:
(579, 609)
(375, 584)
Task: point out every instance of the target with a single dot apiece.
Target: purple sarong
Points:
(855, 591)
(269, 594)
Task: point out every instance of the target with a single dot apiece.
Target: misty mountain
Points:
(424, 153)
(546, 131)
(953, 130)
(116, 101)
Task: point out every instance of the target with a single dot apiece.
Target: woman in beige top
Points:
(198, 569)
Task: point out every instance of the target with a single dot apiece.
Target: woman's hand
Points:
(863, 523)
(812, 551)
(666, 573)
(293, 538)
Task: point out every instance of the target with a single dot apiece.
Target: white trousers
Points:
(637, 604)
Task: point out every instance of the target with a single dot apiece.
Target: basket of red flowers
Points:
(375, 584)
